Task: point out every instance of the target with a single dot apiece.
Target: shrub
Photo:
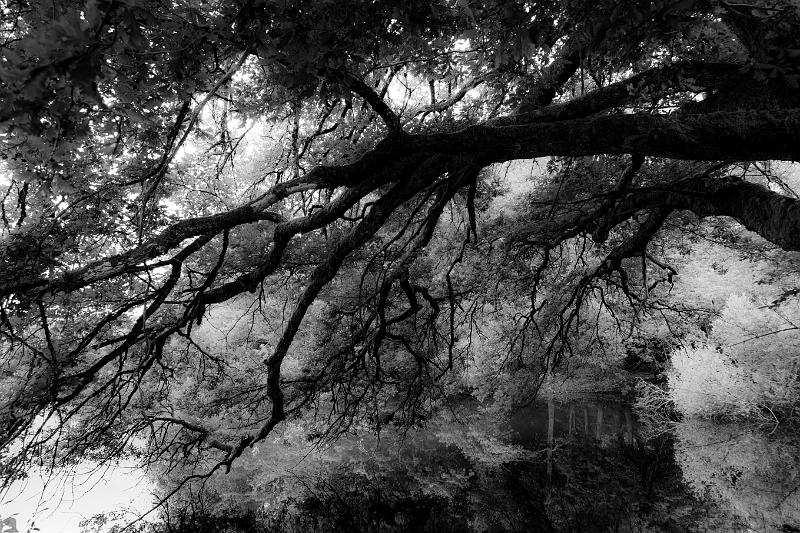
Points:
(748, 367)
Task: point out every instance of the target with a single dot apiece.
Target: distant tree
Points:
(326, 170)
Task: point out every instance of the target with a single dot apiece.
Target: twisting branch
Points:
(131, 261)
(204, 432)
(772, 215)
(692, 76)
(355, 84)
(453, 99)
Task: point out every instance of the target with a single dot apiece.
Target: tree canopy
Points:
(220, 215)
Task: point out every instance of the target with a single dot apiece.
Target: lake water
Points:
(578, 466)
(558, 466)
(706, 475)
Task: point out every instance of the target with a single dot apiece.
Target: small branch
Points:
(685, 75)
(438, 107)
(173, 147)
(203, 431)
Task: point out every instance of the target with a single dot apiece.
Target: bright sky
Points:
(60, 505)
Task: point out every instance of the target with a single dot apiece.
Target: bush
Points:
(746, 370)
(654, 409)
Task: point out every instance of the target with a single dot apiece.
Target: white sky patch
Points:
(404, 92)
(257, 135)
(462, 45)
(5, 174)
(188, 148)
(170, 207)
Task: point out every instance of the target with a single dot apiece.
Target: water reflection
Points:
(578, 466)
(609, 423)
(606, 423)
(555, 466)
(746, 477)
(600, 475)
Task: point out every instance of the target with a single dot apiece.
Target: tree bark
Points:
(773, 216)
(723, 136)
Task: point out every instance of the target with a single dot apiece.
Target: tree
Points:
(327, 168)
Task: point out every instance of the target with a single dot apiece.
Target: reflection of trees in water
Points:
(755, 473)
(397, 500)
(611, 485)
(447, 477)
(594, 487)
(600, 475)
(562, 424)
(575, 467)
(607, 423)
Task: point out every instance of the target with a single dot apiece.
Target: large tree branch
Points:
(773, 216)
(723, 136)
(119, 264)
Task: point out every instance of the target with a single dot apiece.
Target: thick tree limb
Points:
(723, 136)
(771, 215)
(553, 78)
(734, 136)
(119, 264)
